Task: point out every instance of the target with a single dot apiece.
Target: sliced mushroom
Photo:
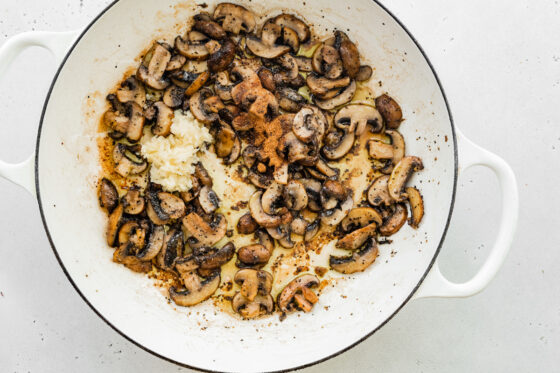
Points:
(272, 199)
(289, 99)
(208, 200)
(379, 149)
(172, 205)
(133, 202)
(400, 175)
(108, 195)
(173, 96)
(196, 290)
(261, 217)
(398, 143)
(202, 175)
(176, 62)
(172, 248)
(261, 305)
(340, 148)
(389, 110)
(164, 119)
(358, 261)
(265, 49)
(246, 224)
(340, 99)
(364, 73)
(223, 85)
(313, 189)
(290, 37)
(321, 86)
(206, 234)
(193, 46)
(350, 57)
(127, 161)
(125, 255)
(292, 22)
(113, 225)
(154, 209)
(286, 301)
(378, 192)
(311, 230)
(154, 245)
(197, 83)
(295, 196)
(267, 79)
(309, 125)
(356, 117)
(357, 238)
(211, 258)
(299, 226)
(198, 107)
(416, 206)
(334, 216)
(253, 282)
(132, 90)
(223, 57)
(191, 193)
(395, 221)
(203, 23)
(359, 217)
(234, 18)
(304, 64)
(153, 66)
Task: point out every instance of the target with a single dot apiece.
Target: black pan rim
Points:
(421, 280)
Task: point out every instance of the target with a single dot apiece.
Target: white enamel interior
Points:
(199, 336)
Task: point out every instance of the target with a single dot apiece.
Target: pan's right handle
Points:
(58, 44)
(435, 284)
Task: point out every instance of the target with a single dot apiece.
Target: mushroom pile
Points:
(279, 105)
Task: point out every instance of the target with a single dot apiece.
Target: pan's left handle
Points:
(58, 44)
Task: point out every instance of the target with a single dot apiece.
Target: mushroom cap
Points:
(261, 304)
(357, 238)
(154, 245)
(340, 148)
(340, 99)
(261, 217)
(208, 200)
(207, 234)
(108, 195)
(253, 282)
(356, 117)
(395, 221)
(389, 110)
(400, 175)
(211, 258)
(292, 22)
(359, 217)
(378, 192)
(234, 18)
(416, 203)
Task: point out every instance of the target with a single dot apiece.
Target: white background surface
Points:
(499, 62)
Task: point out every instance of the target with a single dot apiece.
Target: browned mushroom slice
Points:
(378, 193)
(395, 221)
(358, 261)
(176, 62)
(254, 255)
(198, 107)
(114, 223)
(203, 23)
(202, 175)
(304, 64)
(292, 22)
(108, 195)
(153, 66)
(309, 125)
(124, 254)
(197, 290)
(356, 117)
(223, 85)
(295, 196)
(397, 141)
(206, 234)
(261, 217)
(197, 83)
(311, 230)
(289, 99)
(299, 226)
(379, 150)
(416, 206)
(164, 119)
(234, 18)
(253, 282)
(320, 85)
(208, 200)
(261, 305)
(264, 49)
(154, 209)
(172, 248)
(132, 90)
(272, 199)
(389, 110)
(400, 175)
(133, 202)
(224, 141)
(154, 245)
(334, 216)
(350, 57)
(127, 161)
(340, 99)
(340, 148)
(286, 301)
(193, 46)
(191, 193)
(173, 96)
(359, 217)
(246, 224)
(223, 57)
(357, 238)
(210, 258)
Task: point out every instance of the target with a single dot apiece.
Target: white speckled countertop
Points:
(499, 62)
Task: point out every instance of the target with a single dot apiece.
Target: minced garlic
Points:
(172, 158)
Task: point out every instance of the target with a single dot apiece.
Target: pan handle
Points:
(58, 44)
(435, 284)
